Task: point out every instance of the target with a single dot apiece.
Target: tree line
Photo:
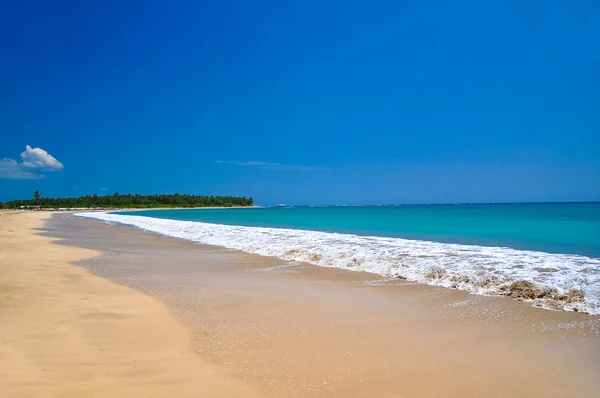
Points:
(131, 201)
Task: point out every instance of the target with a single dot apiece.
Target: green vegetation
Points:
(36, 197)
(132, 201)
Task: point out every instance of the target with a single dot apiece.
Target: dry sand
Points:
(258, 324)
(67, 333)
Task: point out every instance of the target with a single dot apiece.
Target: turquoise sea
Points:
(547, 253)
(550, 227)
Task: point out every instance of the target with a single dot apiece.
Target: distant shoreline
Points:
(121, 201)
(119, 209)
(188, 208)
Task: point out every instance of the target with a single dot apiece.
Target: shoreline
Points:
(190, 208)
(67, 333)
(119, 209)
(292, 329)
(426, 262)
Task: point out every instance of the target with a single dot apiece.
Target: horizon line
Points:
(445, 203)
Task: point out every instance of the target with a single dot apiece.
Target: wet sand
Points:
(287, 329)
(67, 333)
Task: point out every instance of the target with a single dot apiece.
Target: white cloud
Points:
(13, 170)
(39, 158)
(33, 158)
(267, 165)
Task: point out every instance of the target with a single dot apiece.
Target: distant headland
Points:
(137, 201)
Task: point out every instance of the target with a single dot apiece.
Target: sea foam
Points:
(554, 281)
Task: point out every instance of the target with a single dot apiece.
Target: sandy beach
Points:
(115, 311)
(67, 333)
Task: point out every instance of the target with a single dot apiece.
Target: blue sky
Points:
(302, 101)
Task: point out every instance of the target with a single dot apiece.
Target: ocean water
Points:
(546, 254)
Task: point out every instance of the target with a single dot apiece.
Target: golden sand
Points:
(244, 332)
(67, 333)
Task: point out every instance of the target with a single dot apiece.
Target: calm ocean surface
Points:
(546, 254)
(555, 228)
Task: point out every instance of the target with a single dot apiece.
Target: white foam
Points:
(476, 269)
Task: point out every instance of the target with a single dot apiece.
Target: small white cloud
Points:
(39, 158)
(267, 165)
(33, 159)
(13, 170)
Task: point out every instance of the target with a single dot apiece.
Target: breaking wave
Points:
(553, 281)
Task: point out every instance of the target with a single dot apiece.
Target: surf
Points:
(566, 282)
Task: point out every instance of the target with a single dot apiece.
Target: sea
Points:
(547, 254)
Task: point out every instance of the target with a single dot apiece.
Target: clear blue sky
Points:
(302, 101)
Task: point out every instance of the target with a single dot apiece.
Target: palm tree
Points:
(36, 196)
